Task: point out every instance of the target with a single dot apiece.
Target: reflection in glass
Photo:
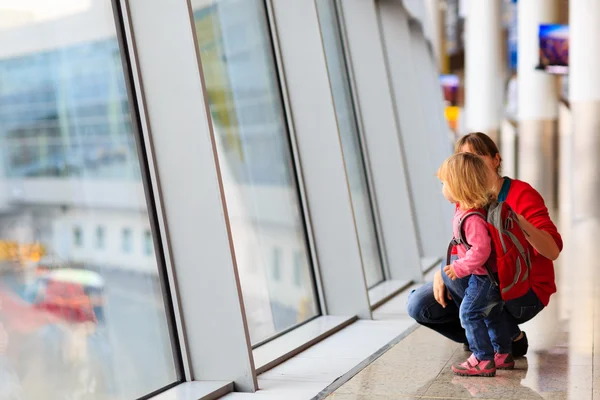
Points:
(126, 240)
(100, 237)
(256, 164)
(353, 156)
(277, 264)
(78, 237)
(298, 268)
(79, 323)
(148, 243)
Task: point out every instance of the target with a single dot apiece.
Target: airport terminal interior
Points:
(239, 199)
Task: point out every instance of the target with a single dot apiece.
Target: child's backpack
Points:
(511, 247)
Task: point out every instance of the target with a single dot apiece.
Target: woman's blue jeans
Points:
(423, 307)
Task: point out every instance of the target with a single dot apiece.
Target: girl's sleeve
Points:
(477, 235)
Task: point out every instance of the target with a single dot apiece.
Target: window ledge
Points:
(287, 346)
(201, 390)
(385, 291)
(429, 263)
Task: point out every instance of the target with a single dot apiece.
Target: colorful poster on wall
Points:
(512, 35)
(450, 87)
(554, 48)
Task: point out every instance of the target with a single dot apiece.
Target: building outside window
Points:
(100, 238)
(299, 267)
(66, 133)
(276, 264)
(127, 241)
(148, 243)
(78, 236)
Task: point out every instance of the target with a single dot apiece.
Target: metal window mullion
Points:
(376, 215)
(155, 209)
(178, 125)
(318, 281)
(321, 157)
(381, 133)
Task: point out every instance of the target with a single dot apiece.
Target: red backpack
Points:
(511, 247)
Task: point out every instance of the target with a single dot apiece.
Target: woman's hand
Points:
(439, 289)
(542, 241)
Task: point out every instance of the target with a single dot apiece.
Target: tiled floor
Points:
(562, 362)
(419, 368)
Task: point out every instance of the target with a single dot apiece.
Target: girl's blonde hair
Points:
(465, 176)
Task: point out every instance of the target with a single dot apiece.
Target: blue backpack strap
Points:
(504, 189)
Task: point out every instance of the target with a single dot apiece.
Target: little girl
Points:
(464, 180)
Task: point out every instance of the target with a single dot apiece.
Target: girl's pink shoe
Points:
(474, 367)
(504, 361)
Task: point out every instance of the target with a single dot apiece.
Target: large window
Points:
(82, 321)
(353, 155)
(256, 164)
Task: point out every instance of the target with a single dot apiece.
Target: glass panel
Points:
(100, 237)
(78, 237)
(126, 241)
(276, 264)
(148, 243)
(79, 323)
(353, 156)
(256, 164)
(298, 268)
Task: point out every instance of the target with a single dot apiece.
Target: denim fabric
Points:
(521, 310)
(481, 315)
(423, 308)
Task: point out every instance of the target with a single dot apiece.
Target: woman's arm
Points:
(535, 221)
(542, 241)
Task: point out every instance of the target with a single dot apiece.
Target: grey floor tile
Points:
(419, 366)
(412, 379)
(346, 396)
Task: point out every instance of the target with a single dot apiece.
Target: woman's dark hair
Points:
(479, 143)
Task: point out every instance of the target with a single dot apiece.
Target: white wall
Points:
(112, 256)
(96, 193)
(28, 27)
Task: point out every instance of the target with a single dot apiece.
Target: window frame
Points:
(296, 169)
(121, 16)
(290, 90)
(373, 83)
(360, 131)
